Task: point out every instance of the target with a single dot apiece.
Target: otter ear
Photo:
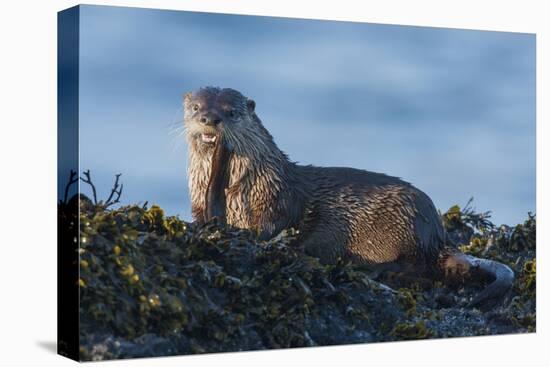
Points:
(187, 97)
(251, 105)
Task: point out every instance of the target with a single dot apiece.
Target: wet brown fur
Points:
(367, 217)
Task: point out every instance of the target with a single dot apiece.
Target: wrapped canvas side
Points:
(67, 184)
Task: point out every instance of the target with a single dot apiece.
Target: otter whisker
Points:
(177, 141)
(176, 130)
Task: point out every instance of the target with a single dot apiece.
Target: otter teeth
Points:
(208, 138)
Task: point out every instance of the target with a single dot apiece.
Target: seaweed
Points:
(208, 288)
(152, 285)
(412, 331)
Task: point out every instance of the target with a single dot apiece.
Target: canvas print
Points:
(232, 183)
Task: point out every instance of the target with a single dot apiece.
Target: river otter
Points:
(238, 174)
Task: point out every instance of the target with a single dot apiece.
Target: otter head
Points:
(215, 115)
(228, 144)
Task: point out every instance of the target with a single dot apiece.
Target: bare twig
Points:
(116, 190)
(113, 190)
(72, 180)
(88, 180)
(114, 196)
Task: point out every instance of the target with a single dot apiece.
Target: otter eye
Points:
(232, 113)
(195, 107)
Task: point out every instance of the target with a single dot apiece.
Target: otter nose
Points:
(210, 120)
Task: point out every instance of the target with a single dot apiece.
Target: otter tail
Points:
(456, 265)
(503, 278)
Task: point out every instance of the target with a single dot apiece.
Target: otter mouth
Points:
(209, 138)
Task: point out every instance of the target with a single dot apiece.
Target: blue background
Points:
(451, 111)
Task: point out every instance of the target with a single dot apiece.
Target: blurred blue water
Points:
(452, 111)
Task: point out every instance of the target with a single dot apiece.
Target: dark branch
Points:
(116, 190)
(88, 180)
(114, 196)
(72, 180)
